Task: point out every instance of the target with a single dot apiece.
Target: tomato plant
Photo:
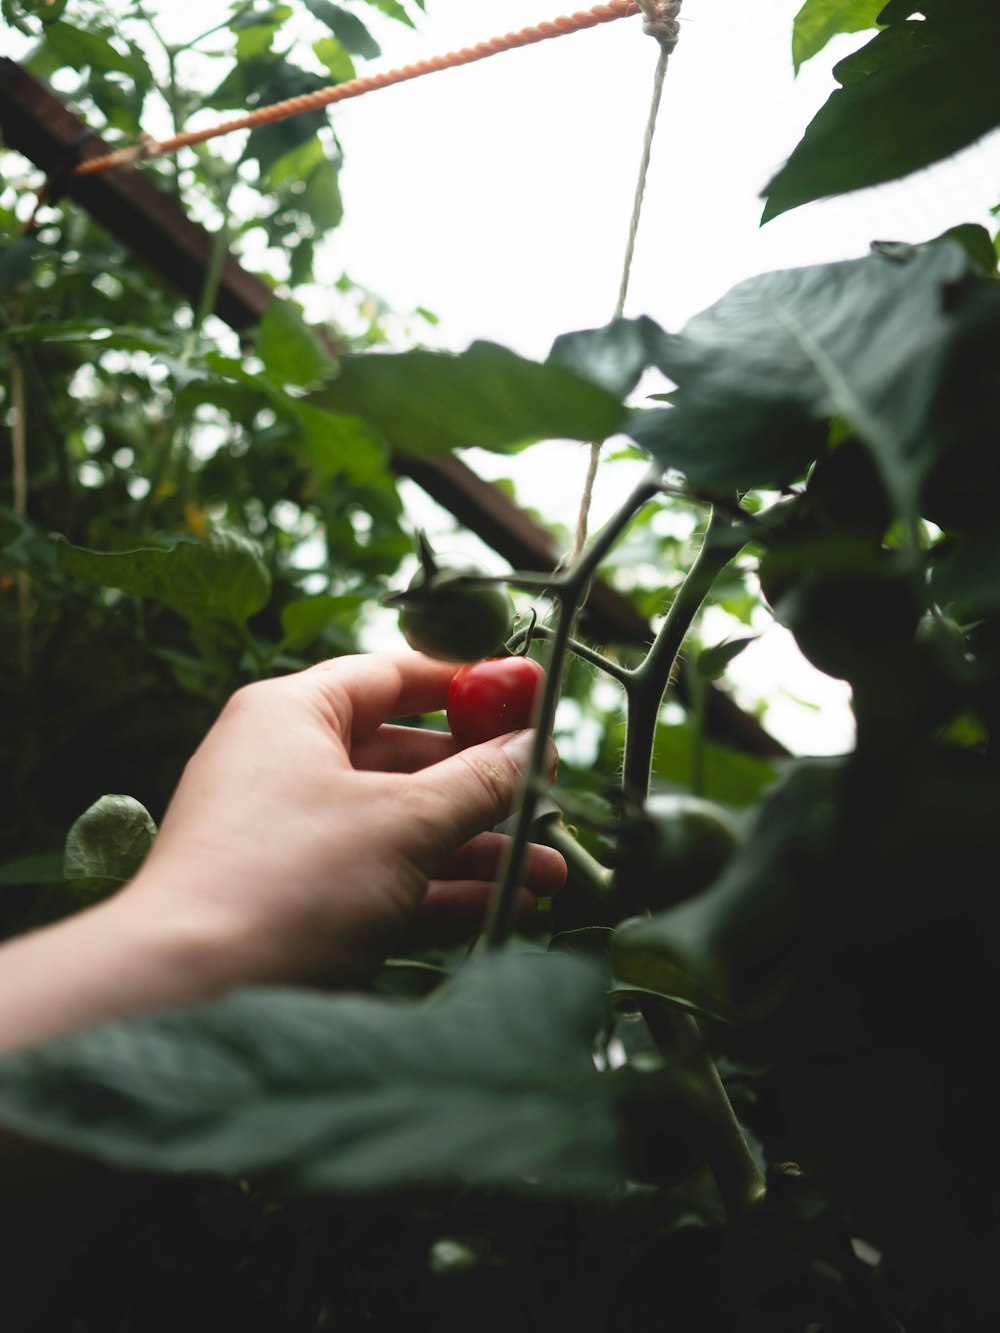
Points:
(760, 1097)
(489, 698)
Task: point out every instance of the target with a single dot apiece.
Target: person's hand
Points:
(303, 838)
(309, 833)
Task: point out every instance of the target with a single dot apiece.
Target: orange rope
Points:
(294, 106)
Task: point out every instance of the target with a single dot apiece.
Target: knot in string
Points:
(661, 21)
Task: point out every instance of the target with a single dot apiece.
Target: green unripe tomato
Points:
(676, 848)
(451, 621)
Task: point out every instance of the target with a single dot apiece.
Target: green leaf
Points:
(321, 199)
(732, 949)
(41, 868)
(428, 403)
(394, 10)
(712, 662)
(107, 845)
(613, 356)
(290, 350)
(966, 575)
(332, 443)
(489, 1084)
(224, 578)
(761, 372)
(17, 260)
(304, 620)
(820, 20)
(79, 48)
(729, 777)
(336, 59)
(918, 92)
(346, 27)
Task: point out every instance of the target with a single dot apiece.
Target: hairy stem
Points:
(649, 680)
(569, 589)
(737, 1175)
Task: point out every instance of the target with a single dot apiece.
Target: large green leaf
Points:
(223, 578)
(918, 92)
(490, 1083)
(107, 845)
(428, 403)
(820, 20)
(760, 373)
(613, 356)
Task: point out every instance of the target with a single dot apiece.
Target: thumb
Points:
(472, 791)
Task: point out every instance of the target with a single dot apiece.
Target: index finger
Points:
(364, 689)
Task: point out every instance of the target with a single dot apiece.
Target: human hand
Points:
(310, 834)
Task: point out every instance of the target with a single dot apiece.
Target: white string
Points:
(660, 22)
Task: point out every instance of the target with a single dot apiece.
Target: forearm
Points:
(109, 961)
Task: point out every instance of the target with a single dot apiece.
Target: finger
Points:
(543, 872)
(401, 749)
(467, 902)
(360, 691)
(467, 794)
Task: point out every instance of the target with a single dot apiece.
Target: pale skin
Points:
(305, 836)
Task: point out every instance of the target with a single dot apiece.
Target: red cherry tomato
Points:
(487, 699)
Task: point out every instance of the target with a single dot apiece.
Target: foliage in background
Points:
(540, 1142)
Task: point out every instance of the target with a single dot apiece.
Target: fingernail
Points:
(519, 747)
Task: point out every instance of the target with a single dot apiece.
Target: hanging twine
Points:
(660, 22)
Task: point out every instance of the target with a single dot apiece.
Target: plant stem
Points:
(578, 649)
(737, 1175)
(569, 589)
(580, 862)
(649, 680)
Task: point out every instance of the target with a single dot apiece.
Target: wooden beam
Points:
(35, 122)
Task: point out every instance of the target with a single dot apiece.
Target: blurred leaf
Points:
(977, 243)
(428, 403)
(394, 9)
(731, 950)
(918, 92)
(336, 58)
(762, 371)
(17, 260)
(729, 777)
(107, 845)
(344, 1093)
(346, 27)
(820, 20)
(613, 357)
(712, 662)
(79, 48)
(965, 574)
(40, 868)
(304, 620)
(291, 352)
(223, 578)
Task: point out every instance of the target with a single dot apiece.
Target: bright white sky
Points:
(498, 195)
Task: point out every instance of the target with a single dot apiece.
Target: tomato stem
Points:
(568, 590)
